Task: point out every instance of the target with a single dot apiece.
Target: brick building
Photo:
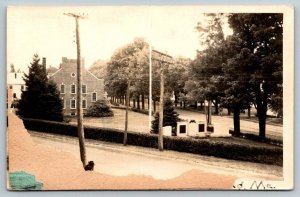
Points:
(66, 80)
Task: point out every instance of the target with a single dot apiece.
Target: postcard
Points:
(150, 97)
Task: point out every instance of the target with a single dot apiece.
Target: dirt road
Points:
(117, 160)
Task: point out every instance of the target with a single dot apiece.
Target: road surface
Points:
(117, 160)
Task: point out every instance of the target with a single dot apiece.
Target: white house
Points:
(16, 83)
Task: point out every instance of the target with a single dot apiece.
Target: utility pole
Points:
(150, 87)
(79, 86)
(163, 60)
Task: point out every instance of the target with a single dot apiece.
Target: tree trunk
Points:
(138, 102)
(176, 100)
(262, 116)
(143, 101)
(129, 102)
(216, 107)
(184, 104)
(134, 104)
(236, 120)
(249, 111)
(126, 114)
(228, 111)
(154, 106)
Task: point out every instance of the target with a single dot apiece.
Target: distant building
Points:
(16, 83)
(66, 80)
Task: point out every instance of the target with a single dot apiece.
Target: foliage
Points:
(99, 68)
(41, 98)
(176, 75)
(261, 42)
(99, 109)
(170, 116)
(129, 63)
(206, 69)
(229, 148)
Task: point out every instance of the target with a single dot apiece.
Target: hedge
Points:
(204, 146)
(253, 137)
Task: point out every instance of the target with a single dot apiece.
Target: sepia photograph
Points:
(150, 97)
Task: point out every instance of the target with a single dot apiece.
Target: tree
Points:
(99, 68)
(176, 76)
(41, 98)
(127, 73)
(207, 66)
(170, 116)
(261, 36)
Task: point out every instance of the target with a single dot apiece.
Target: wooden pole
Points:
(80, 129)
(150, 87)
(161, 109)
(79, 99)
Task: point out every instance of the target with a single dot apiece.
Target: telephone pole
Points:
(163, 60)
(79, 86)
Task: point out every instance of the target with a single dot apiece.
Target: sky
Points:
(51, 34)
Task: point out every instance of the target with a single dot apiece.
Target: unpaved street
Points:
(115, 159)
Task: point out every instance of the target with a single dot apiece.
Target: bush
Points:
(205, 146)
(99, 109)
(170, 117)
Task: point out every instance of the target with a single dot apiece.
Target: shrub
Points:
(204, 146)
(170, 117)
(99, 109)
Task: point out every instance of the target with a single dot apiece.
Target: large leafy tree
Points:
(261, 40)
(176, 76)
(127, 68)
(41, 98)
(207, 67)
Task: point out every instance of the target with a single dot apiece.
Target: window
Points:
(73, 89)
(62, 88)
(63, 103)
(15, 95)
(22, 87)
(83, 90)
(73, 74)
(84, 104)
(201, 128)
(73, 104)
(94, 96)
(10, 87)
(182, 129)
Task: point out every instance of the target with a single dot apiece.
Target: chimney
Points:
(44, 64)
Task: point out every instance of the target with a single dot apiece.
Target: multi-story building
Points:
(16, 83)
(66, 80)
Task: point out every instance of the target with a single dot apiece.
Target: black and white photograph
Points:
(151, 97)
